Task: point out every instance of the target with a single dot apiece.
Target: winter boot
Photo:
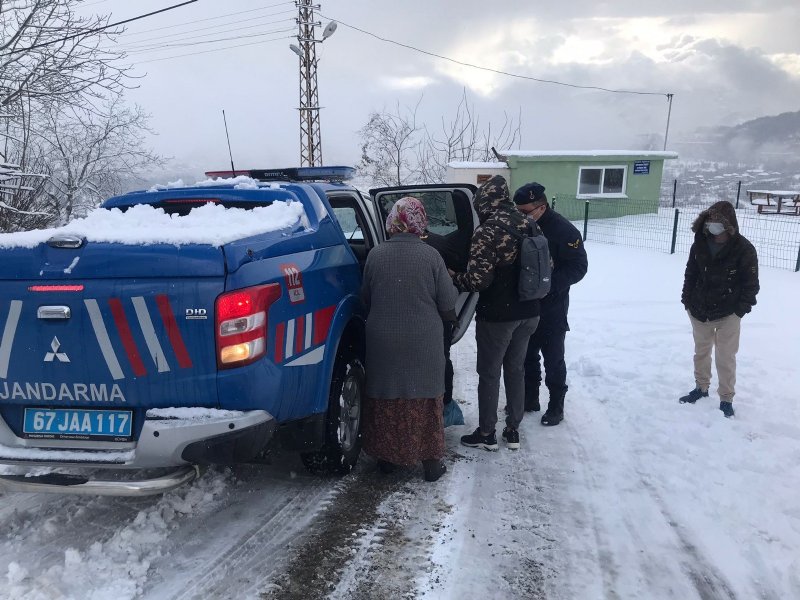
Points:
(726, 408)
(433, 469)
(532, 397)
(555, 409)
(477, 440)
(693, 396)
(551, 418)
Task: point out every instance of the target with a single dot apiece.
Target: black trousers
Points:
(549, 343)
(448, 365)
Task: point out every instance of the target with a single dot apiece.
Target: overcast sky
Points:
(726, 61)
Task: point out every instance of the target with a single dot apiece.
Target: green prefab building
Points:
(614, 182)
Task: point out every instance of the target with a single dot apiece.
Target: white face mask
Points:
(715, 228)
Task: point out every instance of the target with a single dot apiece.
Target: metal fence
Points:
(666, 225)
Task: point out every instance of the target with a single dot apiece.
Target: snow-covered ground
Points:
(632, 496)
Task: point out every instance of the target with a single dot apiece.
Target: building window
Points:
(602, 181)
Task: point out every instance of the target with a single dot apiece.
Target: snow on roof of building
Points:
(565, 153)
(468, 164)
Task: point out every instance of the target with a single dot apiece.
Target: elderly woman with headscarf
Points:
(407, 292)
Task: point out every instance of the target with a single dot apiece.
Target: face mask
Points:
(715, 228)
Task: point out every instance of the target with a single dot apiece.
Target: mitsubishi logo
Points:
(61, 356)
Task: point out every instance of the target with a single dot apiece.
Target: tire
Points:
(342, 445)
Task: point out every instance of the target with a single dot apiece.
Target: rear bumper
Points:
(70, 484)
(218, 437)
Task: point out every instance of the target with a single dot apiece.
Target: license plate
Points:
(77, 424)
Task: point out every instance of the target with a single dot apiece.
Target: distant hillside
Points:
(780, 129)
(773, 139)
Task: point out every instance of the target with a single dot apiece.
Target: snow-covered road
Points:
(633, 496)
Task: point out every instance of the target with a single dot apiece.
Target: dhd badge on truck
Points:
(194, 325)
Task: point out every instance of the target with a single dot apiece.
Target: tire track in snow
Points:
(655, 563)
(234, 551)
(345, 545)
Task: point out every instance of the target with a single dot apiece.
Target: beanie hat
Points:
(530, 192)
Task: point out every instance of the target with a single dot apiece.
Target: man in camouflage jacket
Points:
(719, 288)
(504, 323)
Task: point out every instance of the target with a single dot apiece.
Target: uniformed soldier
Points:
(569, 266)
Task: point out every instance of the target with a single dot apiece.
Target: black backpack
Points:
(534, 261)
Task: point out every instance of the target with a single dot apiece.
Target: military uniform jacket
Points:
(570, 264)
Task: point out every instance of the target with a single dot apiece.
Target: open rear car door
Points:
(451, 221)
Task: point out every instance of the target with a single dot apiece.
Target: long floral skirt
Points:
(404, 431)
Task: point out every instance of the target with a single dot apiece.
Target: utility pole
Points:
(310, 138)
(669, 114)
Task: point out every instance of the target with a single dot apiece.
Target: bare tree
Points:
(396, 149)
(92, 153)
(389, 142)
(48, 52)
(19, 194)
(463, 139)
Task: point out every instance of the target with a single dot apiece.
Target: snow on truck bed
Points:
(143, 224)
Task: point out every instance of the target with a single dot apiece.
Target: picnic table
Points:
(775, 201)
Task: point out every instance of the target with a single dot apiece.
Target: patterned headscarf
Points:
(407, 216)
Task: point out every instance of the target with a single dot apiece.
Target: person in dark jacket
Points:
(569, 267)
(407, 291)
(455, 258)
(719, 288)
(504, 323)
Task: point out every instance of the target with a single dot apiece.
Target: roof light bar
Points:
(338, 173)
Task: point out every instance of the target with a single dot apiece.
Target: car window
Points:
(346, 215)
(439, 206)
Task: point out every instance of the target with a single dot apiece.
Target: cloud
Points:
(409, 83)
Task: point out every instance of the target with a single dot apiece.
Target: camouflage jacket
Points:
(490, 269)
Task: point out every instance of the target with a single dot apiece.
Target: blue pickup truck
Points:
(162, 357)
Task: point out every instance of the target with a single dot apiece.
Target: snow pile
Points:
(240, 182)
(143, 224)
(116, 567)
(192, 413)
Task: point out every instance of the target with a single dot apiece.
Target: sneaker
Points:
(693, 396)
(726, 408)
(511, 438)
(549, 419)
(476, 440)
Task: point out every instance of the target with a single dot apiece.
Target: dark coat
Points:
(493, 269)
(406, 289)
(570, 264)
(715, 287)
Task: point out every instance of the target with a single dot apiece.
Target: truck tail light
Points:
(241, 324)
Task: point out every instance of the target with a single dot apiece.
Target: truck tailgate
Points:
(108, 326)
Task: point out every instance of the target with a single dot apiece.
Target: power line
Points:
(226, 39)
(167, 40)
(499, 72)
(241, 12)
(96, 29)
(286, 37)
(213, 27)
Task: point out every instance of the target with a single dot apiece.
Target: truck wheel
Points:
(343, 426)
